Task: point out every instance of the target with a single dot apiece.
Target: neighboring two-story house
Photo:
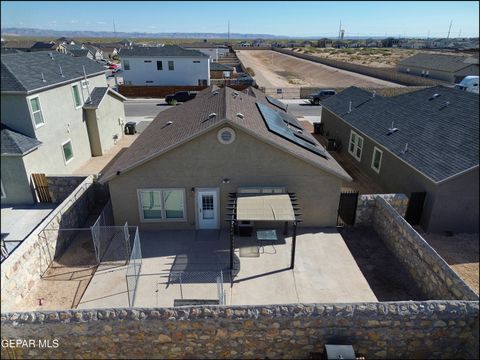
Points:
(168, 65)
(56, 111)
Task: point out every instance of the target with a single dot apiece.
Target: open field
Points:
(273, 69)
(372, 57)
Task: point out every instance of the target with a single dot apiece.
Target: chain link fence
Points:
(133, 269)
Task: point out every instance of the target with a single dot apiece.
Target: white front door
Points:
(207, 209)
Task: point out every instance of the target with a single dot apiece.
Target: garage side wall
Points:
(204, 162)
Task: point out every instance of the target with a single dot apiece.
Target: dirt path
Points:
(273, 69)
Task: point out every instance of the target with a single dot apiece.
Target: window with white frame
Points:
(4, 195)
(377, 159)
(159, 65)
(171, 65)
(36, 112)
(355, 145)
(67, 150)
(162, 204)
(77, 100)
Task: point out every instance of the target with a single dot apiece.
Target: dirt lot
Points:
(372, 57)
(276, 70)
(460, 251)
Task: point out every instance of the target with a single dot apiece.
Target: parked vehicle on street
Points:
(469, 83)
(180, 96)
(320, 95)
(113, 66)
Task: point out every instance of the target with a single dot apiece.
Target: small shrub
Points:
(172, 102)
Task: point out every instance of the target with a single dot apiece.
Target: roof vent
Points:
(168, 123)
(61, 72)
(404, 151)
(240, 115)
(215, 92)
(349, 107)
(392, 130)
(43, 79)
(374, 93)
(51, 56)
(235, 94)
(212, 115)
(434, 96)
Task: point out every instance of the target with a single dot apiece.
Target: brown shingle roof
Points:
(191, 119)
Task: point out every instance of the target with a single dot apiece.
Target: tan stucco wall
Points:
(111, 109)
(204, 162)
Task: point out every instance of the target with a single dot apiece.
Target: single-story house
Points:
(179, 173)
(220, 71)
(43, 46)
(215, 51)
(426, 141)
(97, 53)
(168, 65)
(451, 68)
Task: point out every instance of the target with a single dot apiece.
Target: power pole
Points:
(449, 28)
(340, 30)
(229, 32)
(114, 30)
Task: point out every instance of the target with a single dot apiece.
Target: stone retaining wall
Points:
(438, 330)
(366, 206)
(60, 187)
(425, 265)
(33, 256)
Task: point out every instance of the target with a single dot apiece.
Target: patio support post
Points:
(232, 227)
(285, 229)
(294, 243)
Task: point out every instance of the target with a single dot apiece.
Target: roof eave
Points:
(156, 154)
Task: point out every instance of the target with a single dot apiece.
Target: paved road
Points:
(301, 107)
(144, 109)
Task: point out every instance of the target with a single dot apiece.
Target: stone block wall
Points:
(33, 256)
(428, 269)
(60, 187)
(437, 330)
(366, 206)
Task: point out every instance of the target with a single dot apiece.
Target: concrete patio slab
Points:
(19, 221)
(325, 271)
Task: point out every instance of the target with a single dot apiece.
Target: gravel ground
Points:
(461, 252)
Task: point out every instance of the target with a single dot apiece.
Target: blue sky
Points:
(277, 17)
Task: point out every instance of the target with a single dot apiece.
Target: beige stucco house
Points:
(181, 171)
(56, 113)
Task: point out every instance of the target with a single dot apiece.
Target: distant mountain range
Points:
(134, 35)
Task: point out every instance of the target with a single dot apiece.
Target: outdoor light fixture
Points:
(192, 189)
(226, 181)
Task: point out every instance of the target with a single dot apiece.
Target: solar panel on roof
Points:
(276, 125)
(290, 120)
(276, 103)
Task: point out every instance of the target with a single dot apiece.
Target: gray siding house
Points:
(434, 149)
(179, 172)
(450, 68)
(48, 105)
